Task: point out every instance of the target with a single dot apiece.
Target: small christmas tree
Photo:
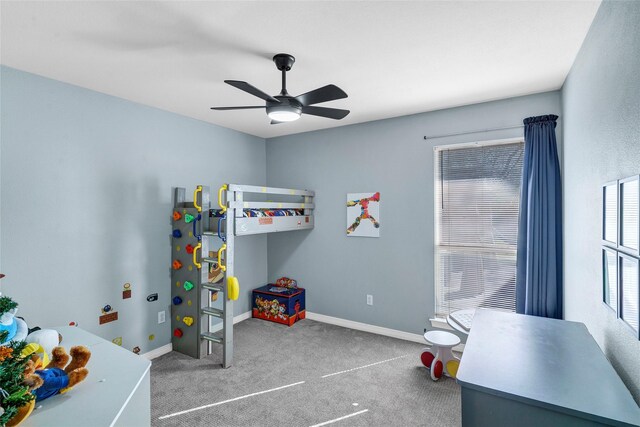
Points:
(13, 392)
(6, 305)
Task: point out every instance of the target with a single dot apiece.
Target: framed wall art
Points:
(363, 214)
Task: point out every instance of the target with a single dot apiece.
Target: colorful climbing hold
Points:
(177, 332)
(177, 234)
(189, 249)
(152, 337)
(177, 300)
(177, 265)
(188, 218)
(187, 285)
(176, 215)
(187, 320)
(189, 303)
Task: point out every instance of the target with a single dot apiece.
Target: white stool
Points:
(439, 358)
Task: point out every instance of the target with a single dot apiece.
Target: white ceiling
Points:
(393, 58)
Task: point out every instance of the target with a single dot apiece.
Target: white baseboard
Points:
(393, 333)
(236, 319)
(440, 324)
(157, 352)
(240, 317)
(365, 327)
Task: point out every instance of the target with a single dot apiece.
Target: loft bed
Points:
(295, 212)
(203, 237)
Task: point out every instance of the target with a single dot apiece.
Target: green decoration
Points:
(15, 393)
(6, 305)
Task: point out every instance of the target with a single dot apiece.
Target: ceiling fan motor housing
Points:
(288, 107)
(284, 61)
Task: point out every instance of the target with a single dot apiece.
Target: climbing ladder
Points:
(197, 302)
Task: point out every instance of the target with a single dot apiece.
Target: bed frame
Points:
(240, 211)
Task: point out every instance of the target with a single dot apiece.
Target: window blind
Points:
(477, 203)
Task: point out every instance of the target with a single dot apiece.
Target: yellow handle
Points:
(220, 190)
(195, 199)
(195, 251)
(222, 248)
(233, 288)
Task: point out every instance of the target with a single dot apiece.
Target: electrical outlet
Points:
(161, 317)
(369, 299)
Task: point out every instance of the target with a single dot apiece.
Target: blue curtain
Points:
(539, 256)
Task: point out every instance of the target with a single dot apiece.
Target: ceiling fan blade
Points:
(323, 94)
(237, 108)
(251, 89)
(331, 113)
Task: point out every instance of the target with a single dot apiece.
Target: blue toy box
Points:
(277, 304)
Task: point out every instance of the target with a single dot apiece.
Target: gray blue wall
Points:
(86, 202)
(392, 157)
(601, 110)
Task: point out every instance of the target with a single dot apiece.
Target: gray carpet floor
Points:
(396, 392)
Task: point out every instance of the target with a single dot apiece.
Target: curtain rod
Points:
(470, 132)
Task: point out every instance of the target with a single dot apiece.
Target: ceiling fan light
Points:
(286, 110)
(284, 115)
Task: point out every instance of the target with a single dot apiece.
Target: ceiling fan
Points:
(286, 108)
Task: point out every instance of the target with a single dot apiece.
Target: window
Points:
(477, 192)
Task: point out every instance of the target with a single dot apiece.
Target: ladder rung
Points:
(210, 260)
(210, 233)
(210, 311)
(209, 336)
(218, 287)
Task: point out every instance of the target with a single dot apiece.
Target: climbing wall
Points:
(186, 293)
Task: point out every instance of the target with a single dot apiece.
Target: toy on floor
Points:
(57, 377)
(439, 359)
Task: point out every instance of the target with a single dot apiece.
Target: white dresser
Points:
(116, 392)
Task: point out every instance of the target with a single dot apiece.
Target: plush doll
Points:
(58, 377)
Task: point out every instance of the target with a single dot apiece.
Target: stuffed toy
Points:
(57, 377)
(47, 338)
(285, 282)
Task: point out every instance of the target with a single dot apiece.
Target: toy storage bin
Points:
(280, 305)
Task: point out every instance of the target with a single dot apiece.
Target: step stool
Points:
(439, 358)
